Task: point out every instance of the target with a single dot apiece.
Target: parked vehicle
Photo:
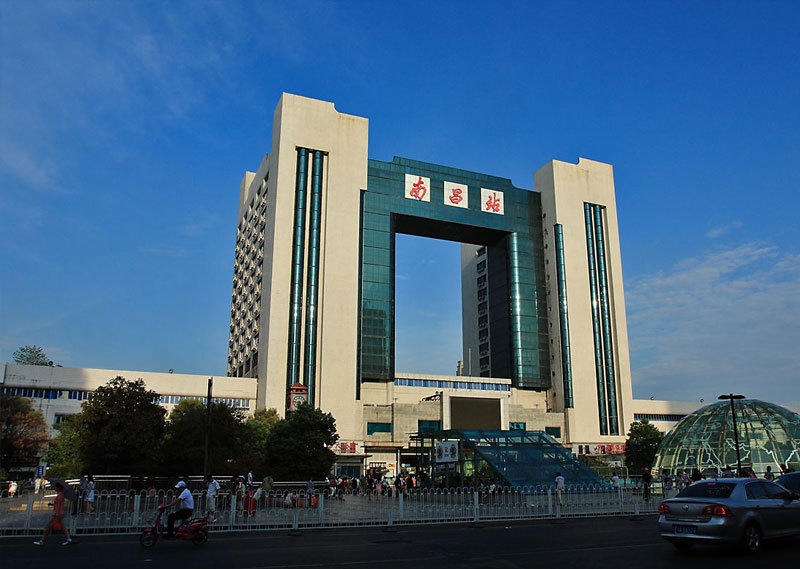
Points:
(790, 481)
(743, 511)
(195, 530)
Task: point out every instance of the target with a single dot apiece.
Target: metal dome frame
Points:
(769, 435)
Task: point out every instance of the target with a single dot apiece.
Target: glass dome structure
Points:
(769, 435)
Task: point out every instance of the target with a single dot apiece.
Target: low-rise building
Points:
(59, 392)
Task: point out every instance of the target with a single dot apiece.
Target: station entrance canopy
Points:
(516, 458)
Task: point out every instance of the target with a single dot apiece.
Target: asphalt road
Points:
(616, 543)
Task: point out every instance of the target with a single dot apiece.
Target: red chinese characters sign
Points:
(610, 449)
(492, 201)
(418, 188)
(345, 447)
(455, 194)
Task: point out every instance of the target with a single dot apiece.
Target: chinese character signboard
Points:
(610, 449)
(447, 451)
(492, 201)
(418, 188)
(455, 194)
(346, 447)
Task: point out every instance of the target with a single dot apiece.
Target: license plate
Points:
(685, 529)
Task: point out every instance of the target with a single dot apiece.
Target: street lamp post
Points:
(208, 427)
(731, 396)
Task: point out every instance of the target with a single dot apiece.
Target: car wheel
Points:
(751, 538)
(683, 546)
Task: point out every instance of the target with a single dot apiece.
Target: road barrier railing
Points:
(128, 511)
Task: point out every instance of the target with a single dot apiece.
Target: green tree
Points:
(63, 454)
(184, 446)
(32, 356)
(265, 417)
(121, 428)
(23, 433)
(257, 429)
(297, 447)
(641, 445)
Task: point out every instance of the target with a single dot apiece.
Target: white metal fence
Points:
(129, 511)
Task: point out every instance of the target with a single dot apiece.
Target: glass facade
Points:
(598, 342)
(554, 432)
(605, 312)
(296, 285)
(515, 458)
(312, 285)
(605, 365)
(445, 384)
(519, 346)
(373, 428)
(769, 435)
(84, 395)
(563, 316)
(424, 426)
(311, 215)
(658, 416)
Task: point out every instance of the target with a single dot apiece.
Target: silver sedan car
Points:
(744, 511)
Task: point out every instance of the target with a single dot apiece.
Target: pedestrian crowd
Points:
(248, 493)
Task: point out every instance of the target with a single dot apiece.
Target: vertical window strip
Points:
(363, 193)
(296, 284)
(312, 284)
(514, 308)
(563, 313)
(598, 358)
(608, 339)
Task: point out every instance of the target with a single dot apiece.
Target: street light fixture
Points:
(731, 396)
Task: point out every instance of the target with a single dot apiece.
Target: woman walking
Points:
(88, 497)
(56, 523)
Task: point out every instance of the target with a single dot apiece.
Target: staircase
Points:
(528, 458)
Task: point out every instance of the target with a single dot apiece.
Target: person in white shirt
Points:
(184, 511)
(212, 487)
(560, 486)
(615, 481)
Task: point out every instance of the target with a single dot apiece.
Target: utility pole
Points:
(208, 426)
(731, 396)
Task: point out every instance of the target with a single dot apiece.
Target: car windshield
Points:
(708, 490)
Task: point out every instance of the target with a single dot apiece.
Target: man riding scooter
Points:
(185, 510)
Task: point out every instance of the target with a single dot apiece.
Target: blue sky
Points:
(125, 128)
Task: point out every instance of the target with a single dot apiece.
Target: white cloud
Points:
(200, 226)
(174, 252)
(723, 229)
(95, 74)
(725, 321)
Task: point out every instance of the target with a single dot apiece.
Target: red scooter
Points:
(195, 530)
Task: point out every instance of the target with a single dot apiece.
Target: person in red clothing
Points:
(56, 522)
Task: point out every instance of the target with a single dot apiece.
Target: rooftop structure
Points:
(769, 435)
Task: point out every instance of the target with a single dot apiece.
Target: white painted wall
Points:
(67, 379)
(565, 187)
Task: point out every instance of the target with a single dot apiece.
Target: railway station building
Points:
(313, 306)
